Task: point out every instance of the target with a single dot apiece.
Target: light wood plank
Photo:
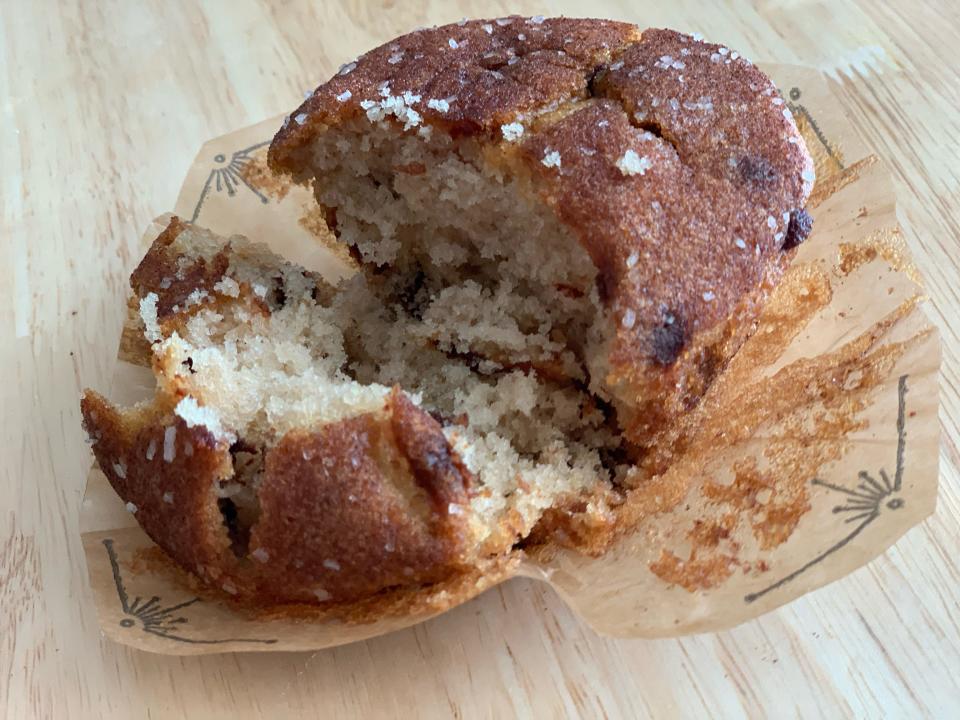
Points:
(104, 105)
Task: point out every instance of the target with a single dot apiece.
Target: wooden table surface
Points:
(104, 105)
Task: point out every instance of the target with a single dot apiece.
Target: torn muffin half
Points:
(310, 443)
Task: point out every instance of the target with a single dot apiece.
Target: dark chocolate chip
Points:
(668, 341)
(757, 170)
(798, 229)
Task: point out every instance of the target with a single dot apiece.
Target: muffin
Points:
(563, 230)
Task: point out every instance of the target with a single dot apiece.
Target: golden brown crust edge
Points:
(337, 519)
(489, 73)
(339, 516)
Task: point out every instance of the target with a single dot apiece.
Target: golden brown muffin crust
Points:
(675, 161)
(488, 71)
(166, 472)
(159, 273)
(346, 510)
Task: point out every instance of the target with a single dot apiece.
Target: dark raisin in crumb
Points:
(798, 230)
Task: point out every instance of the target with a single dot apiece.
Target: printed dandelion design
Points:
(866, 502)
(228, 175)
(153, 617)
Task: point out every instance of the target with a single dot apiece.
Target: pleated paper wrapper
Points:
(818, 447)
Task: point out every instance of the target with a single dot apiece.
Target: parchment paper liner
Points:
(742, 532)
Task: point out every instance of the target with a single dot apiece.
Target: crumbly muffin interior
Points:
(273, 348)
(482, 300)
(460, 244)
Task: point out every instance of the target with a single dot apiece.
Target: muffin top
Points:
(675, 161)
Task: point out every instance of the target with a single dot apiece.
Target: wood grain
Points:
(104, 105)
